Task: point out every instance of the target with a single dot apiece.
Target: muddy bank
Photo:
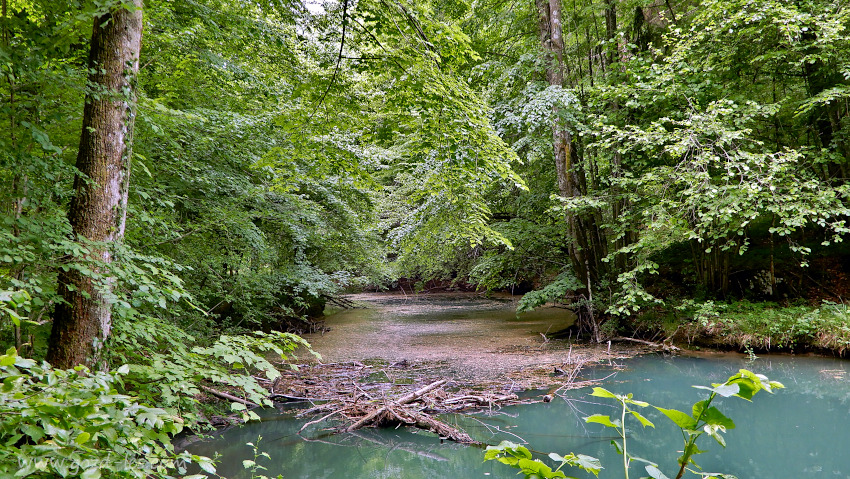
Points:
(464, 335)
(480, 347)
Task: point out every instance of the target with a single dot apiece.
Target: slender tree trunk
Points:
(610, 33)
(98, 210)
(586, 241)
(552, 40)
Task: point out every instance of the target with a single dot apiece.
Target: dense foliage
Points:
(621, 156)
(58, 423)
(283, 154)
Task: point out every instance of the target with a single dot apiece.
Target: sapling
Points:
(703, 419)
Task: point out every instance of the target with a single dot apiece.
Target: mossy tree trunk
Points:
(98, 210)
(588, 243)
(552, 40)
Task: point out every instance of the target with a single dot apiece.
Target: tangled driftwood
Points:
(345, 397)
(413, 409)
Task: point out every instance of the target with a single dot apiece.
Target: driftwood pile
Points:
(345, 397)
(351, 396)
(404, 411)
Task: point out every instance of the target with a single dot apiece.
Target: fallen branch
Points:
(666, 347)
(365, 419)
(316, 421)
(421, 392)
(229, 397)
(348, 395)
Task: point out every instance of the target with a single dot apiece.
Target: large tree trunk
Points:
(99, 208)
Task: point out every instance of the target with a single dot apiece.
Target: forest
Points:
(188, 184)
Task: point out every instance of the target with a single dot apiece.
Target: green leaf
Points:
(698, 408)
(602, 419)
(207, 465)
(746, 389)
(588, 463)
(681, 419)
(82, 438)
(24, 362)
(714, 417)
(655, 473)
(92, 473)
(617, 446)
(725, 390)
(603, 393)
(644, 421)
(11, 440)
(16, 319)
(6, 360)
(34, 432)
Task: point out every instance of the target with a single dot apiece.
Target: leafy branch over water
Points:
(703, 419)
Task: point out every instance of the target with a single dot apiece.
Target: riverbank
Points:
(748, 327)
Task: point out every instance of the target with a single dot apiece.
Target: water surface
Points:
(472, 336)
(802, 431)
(799, 432)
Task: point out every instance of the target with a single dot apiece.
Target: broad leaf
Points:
(603, 393)
(644, 421)
(681, 419)
(655, 473)
(602, 419)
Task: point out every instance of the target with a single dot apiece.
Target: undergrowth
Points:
(744, 325)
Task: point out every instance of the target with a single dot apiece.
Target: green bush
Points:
(75, 424)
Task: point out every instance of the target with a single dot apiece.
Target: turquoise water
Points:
(802, 431)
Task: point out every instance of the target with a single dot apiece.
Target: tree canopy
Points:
(284, 152)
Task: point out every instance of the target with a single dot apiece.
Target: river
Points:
(798, 432)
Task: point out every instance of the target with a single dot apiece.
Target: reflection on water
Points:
(802, 431)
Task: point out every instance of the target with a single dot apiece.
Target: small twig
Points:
(316, 421)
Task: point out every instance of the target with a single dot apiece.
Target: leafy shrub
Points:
(75, 424)
(554, 291)
(167, 365)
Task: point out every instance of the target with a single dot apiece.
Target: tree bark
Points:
(99, 208)
(587, 242)
(552, 40)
